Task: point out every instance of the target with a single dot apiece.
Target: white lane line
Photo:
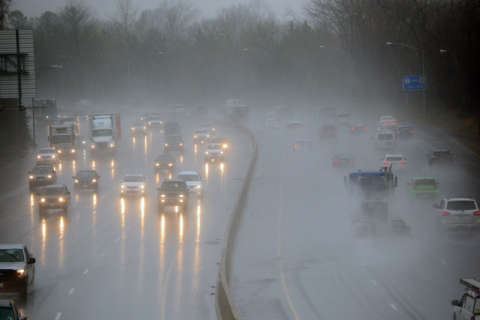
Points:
(58, 316)
(374, 282)
(394, 307)
(85, 272)
(71, 291)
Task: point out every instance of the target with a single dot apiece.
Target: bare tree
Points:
(4, 8)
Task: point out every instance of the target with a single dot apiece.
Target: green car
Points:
(423, 187)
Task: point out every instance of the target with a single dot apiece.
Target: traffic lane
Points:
(88, 243)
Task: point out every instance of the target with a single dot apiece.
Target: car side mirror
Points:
(456, 303)
(31, 260)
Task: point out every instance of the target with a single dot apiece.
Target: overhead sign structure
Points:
(414, 83)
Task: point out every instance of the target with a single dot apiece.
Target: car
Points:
(138, 129)
(468, 307)
(387, 121)
(385, 139)
(400, 227)
(375, 209)
(133, 185)
(82, 142)
(173, 193)
(404, 131)
(9, 311)
(359, 129)
(154, 121)
(210, 127)
(222, 141)
(17, 268)
(86, 179)
(193, 181)
(46, 155)
(327, 131)
(440, 156)
(295, 124)
(343, 117)
(303, 144)
(164, 162)
(343, 160)
(172, 128)
(201, 136)
(397, 161)
(423, 187)
(214, 153)
(41, 175)
(55, 196)
(458, 213)
(173, 143)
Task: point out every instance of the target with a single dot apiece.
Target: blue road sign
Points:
(413, 83)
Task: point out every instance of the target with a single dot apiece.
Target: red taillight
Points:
(476, 213)
(353, 129)
(335, 162)
(394, 123)
(403, 162)
(386, 163)
(445, 213)
(366, 129)
(411, 131)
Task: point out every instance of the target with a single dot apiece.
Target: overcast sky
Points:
(106, 8)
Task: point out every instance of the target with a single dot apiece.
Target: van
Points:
(385, 140)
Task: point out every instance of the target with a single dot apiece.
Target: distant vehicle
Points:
(423, 187)
(327, 131)
(173, 193)
(133, 185)
(224, 142)
(55, 196)
(105, 131)
(404, 131)
(48, 108)
(41, 175)
(440, 156)
(375, 209)
(201, 136)
(172, 128)
(458, 213)
(295, 124)
(17, 270)
(343, 160)
(272, 123)
(371, 184)
(385, 140)
(138, 129)
(343, 117)
(193, 181)
(62, 138)
(164, 162)
(9, 311)
(398, 161)
(235, 110)
(303, 144)
(400, 227)
(387, 121)
(86, 179)
(46, 156)
(173, 143)
(214, 153)
(359, 129)
(210, 127)
(154, 121)
(468, 307)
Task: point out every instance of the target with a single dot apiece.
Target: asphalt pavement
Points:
(113, 259)
(297, 256)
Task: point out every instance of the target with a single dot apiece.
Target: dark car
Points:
(173, 143)
(164, 162)
(173, 193)
(327, 131)
(404, 131)
(9, 311)
(41, 175)
(343, 160)
(86, 179)
(172, 128)
(17, 269)
(55, 196)
(440, 156)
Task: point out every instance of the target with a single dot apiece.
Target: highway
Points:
(113, 259)
(296, 255)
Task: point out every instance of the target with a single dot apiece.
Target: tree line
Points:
(338, 48)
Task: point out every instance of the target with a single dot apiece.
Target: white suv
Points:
(193, 181)
(133, 185)
(458, 213)
(398, 161)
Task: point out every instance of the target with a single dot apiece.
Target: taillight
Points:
(335, 162)
(386, 163)
(476, 213)
(353, 129)
(403, 162)
(366, 129)
(445, 213)
(411, 131)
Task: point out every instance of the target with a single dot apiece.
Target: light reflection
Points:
(44, 240)
(170, 176)
(94, 165)
(94, 201)
(179, 267)
(162, 229)
(146, 144)
(199, 222)
(32, 200)
(74, 167)
(61, 228)
(195, 149)
(60, 166)
(94, 214)
(134, 141)
(222, 169)
(180, 229)
(206, 171)
(112, 166)
(77, 197)
(142, 217)
(157, 178)
(176, 209)
(181, 159)
(32, 208)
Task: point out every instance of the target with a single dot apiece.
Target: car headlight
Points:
(162, 195)
(21, 273)
(221, 152)
(73, 151)
(170, 164)
(54, 156)
(39, 157)
(166, 144)
(61, 199)
(206, 152)
(76, 181)
(30, 177)
(49, 176)
(142, 187)
(94, 180)
(122, 186)
(213, 129)
(157, 164)
(149, 123)
(112, 145)
(42, 200)
(92, 146)
(145, 128)
(225, 146)
(195, 137)
(59, 151)
(180, 144)
(198, 187)
(181, 196)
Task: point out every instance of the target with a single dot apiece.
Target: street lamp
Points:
(421, 53)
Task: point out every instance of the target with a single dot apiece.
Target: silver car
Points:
(457, 213)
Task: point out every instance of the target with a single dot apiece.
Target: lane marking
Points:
(71, 291)
(58, 316)
(85, 272)
(394, 307)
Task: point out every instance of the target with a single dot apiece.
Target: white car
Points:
(214, 153)
(46, 156)
(398, 161)
(385, 139)
(387, 121)
(193, 181)
(133, 185)
(457, 213)
(201, 136)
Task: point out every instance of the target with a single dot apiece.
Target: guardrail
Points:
(225, 307)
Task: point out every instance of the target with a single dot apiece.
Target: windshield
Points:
(51, 191)
(134, 179)
(172, 185)
(174, 139)
(189, 177)
(372, 180)
(461, 205)
(41, 170)
(6, 313)
(102, 133)
(11, 255)
(62, 139)
(385, 136)
(214, 146)
(425, 183)
(46, 150)
(86, 174)
(441, 153)
(394, 158)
